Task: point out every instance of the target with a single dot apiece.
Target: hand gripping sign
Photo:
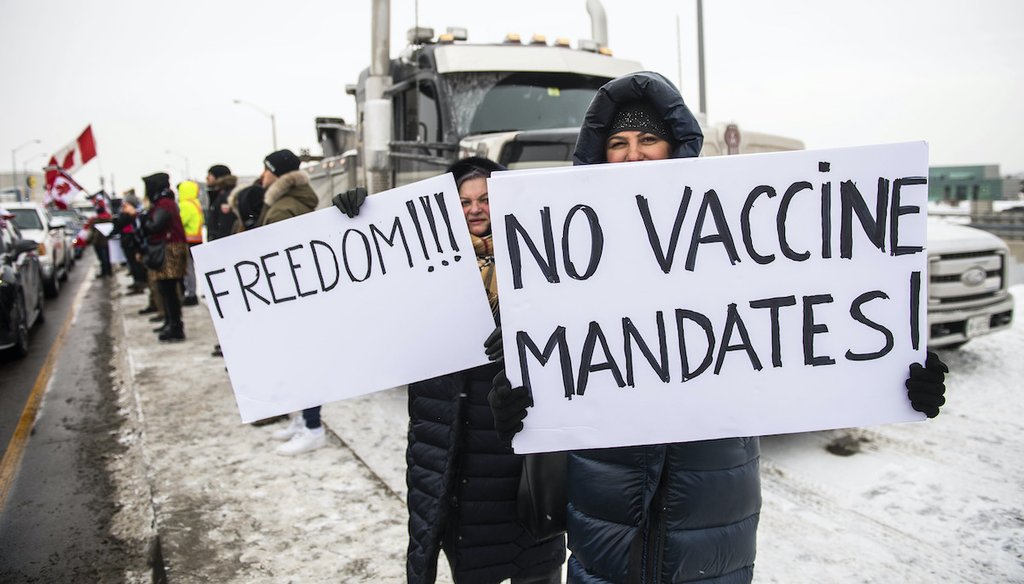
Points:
(322, 307)
(693, 299)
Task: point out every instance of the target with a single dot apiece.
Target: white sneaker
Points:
(295, 424)
(304, 440)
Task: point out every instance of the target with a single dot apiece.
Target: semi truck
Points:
(521, 102)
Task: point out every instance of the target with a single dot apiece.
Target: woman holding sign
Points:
(684, 512)
(463, 479)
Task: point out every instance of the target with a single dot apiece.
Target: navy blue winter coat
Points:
(463, 483)
(667, 513)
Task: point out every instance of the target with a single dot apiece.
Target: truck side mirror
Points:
(24, 246)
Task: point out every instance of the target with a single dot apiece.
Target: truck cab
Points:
(520, 104)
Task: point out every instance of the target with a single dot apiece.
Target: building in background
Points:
(29, 185)
(966, 183)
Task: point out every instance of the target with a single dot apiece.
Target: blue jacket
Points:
(666, 513)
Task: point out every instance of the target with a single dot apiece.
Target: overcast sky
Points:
(153, 77)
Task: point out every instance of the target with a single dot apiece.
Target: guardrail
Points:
(1009, 226)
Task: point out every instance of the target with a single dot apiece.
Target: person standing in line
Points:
(463, 479)
(288, 194)
(247, 204)
(124, 225)
(100, 241)
(192, 222)
(161, 226)
(219, 218)
(666, 513)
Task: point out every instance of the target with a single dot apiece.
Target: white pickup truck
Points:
(968, 280)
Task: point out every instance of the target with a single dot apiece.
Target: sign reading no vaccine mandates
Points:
(682, 300)
(322, 307)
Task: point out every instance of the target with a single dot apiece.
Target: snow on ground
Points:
(935, 501)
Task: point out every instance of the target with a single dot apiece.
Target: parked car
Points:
(35, 222)
(73, 222)
(21, 287)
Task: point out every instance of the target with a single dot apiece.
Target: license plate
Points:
(977, 325)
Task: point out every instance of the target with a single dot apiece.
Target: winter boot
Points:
(173, 333)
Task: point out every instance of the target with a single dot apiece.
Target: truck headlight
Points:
(42, 249)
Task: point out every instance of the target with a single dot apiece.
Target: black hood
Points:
(651, 87)
(156, 184)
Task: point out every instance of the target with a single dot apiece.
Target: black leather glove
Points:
(350, 201)
(492, 346)
(925, 387)
(508, 406)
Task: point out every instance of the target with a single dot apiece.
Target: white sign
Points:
(321, 307)
(682, 300)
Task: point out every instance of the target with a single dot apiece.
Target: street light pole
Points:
(273, 120)
(185, 158)
(14, 166)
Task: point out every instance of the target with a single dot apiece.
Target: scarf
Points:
(484, 248)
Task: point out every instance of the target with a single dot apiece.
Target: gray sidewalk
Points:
(226, 508)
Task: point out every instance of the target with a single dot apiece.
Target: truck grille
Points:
(966, 278)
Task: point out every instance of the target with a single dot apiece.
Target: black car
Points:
(21, 288)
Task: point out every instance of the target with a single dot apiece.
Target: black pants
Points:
(135, 267)
(103, 253)
(172, 303)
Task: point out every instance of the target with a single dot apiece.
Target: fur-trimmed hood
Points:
(224, 184)
(291, 183)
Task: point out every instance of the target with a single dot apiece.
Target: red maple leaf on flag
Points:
(62, 188)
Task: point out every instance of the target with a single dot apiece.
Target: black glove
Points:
(350, 201)
(508, 406)
(492, 346)
(925, 386)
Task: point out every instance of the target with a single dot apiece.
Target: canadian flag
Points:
(72, 157)
(62, 190)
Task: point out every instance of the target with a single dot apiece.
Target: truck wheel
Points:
(41, 318)
(20, 348)
(52, 286)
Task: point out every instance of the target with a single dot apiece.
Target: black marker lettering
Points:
(548, 268)
(596, 243)
(722, 234)
(664, 258)
(780, 221)
(319, 269)
(587, 365)
(774, 304)
(247, 288)
(555, 341)
(214, 293)
(660, 367)
(858, 315)
(294, 266)
(811, 328)
(748, 239)
(704, 323)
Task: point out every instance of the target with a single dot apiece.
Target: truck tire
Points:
(52, 286)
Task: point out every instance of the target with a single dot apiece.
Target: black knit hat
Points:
(639, 116)
(219, 170)
(156, 184)
(475, 165)
(281, 162)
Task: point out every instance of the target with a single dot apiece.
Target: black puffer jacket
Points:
(462, 487)
(667, 513)
(219, 223)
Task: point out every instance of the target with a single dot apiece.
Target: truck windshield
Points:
(494, 102)
(26, 219)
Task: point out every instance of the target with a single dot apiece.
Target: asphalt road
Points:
(55, 521)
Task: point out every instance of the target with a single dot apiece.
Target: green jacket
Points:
(289, 196)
